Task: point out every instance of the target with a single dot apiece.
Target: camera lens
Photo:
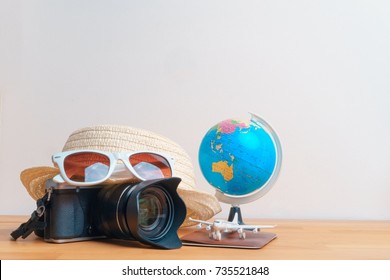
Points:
(151, 208)
(150, 212)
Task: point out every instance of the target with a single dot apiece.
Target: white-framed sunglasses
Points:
(90, 167)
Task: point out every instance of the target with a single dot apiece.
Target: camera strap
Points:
(35, 222)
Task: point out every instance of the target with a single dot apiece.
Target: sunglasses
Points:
(90, 167)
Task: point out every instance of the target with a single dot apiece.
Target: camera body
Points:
(71, 215)
(150, 212)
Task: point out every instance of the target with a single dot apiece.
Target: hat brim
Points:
(34, 179)
(200, 205)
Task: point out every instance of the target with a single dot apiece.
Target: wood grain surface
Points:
(296, 239)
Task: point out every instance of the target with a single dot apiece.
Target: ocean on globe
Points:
(237, 157)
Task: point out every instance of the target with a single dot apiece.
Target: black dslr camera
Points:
(150, 212)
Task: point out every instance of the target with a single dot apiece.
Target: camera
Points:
(150, 212)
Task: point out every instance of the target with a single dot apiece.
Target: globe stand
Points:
(235, 215)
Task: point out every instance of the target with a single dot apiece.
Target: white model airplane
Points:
(217, 226)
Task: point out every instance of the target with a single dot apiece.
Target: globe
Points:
(241, 159)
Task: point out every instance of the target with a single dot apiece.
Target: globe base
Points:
(235, 215)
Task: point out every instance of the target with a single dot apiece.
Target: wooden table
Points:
(297, 239)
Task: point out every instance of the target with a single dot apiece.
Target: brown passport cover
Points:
(229, 240)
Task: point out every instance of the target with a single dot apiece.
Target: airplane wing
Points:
(253, 227)
(201, 222)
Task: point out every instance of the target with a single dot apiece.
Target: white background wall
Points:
(318, 71)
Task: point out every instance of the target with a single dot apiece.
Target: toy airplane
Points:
(217, 226)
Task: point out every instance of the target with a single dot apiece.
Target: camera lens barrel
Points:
(112, 201)
(150, 212)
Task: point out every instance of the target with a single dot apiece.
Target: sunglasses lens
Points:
(150, 166)
(86, 166)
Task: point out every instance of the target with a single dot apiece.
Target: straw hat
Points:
(113, 138)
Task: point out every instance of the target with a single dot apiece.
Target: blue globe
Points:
(239, 157)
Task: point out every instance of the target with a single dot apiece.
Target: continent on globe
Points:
(229, 126)
(223, 168)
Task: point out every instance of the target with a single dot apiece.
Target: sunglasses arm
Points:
(58, 179)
